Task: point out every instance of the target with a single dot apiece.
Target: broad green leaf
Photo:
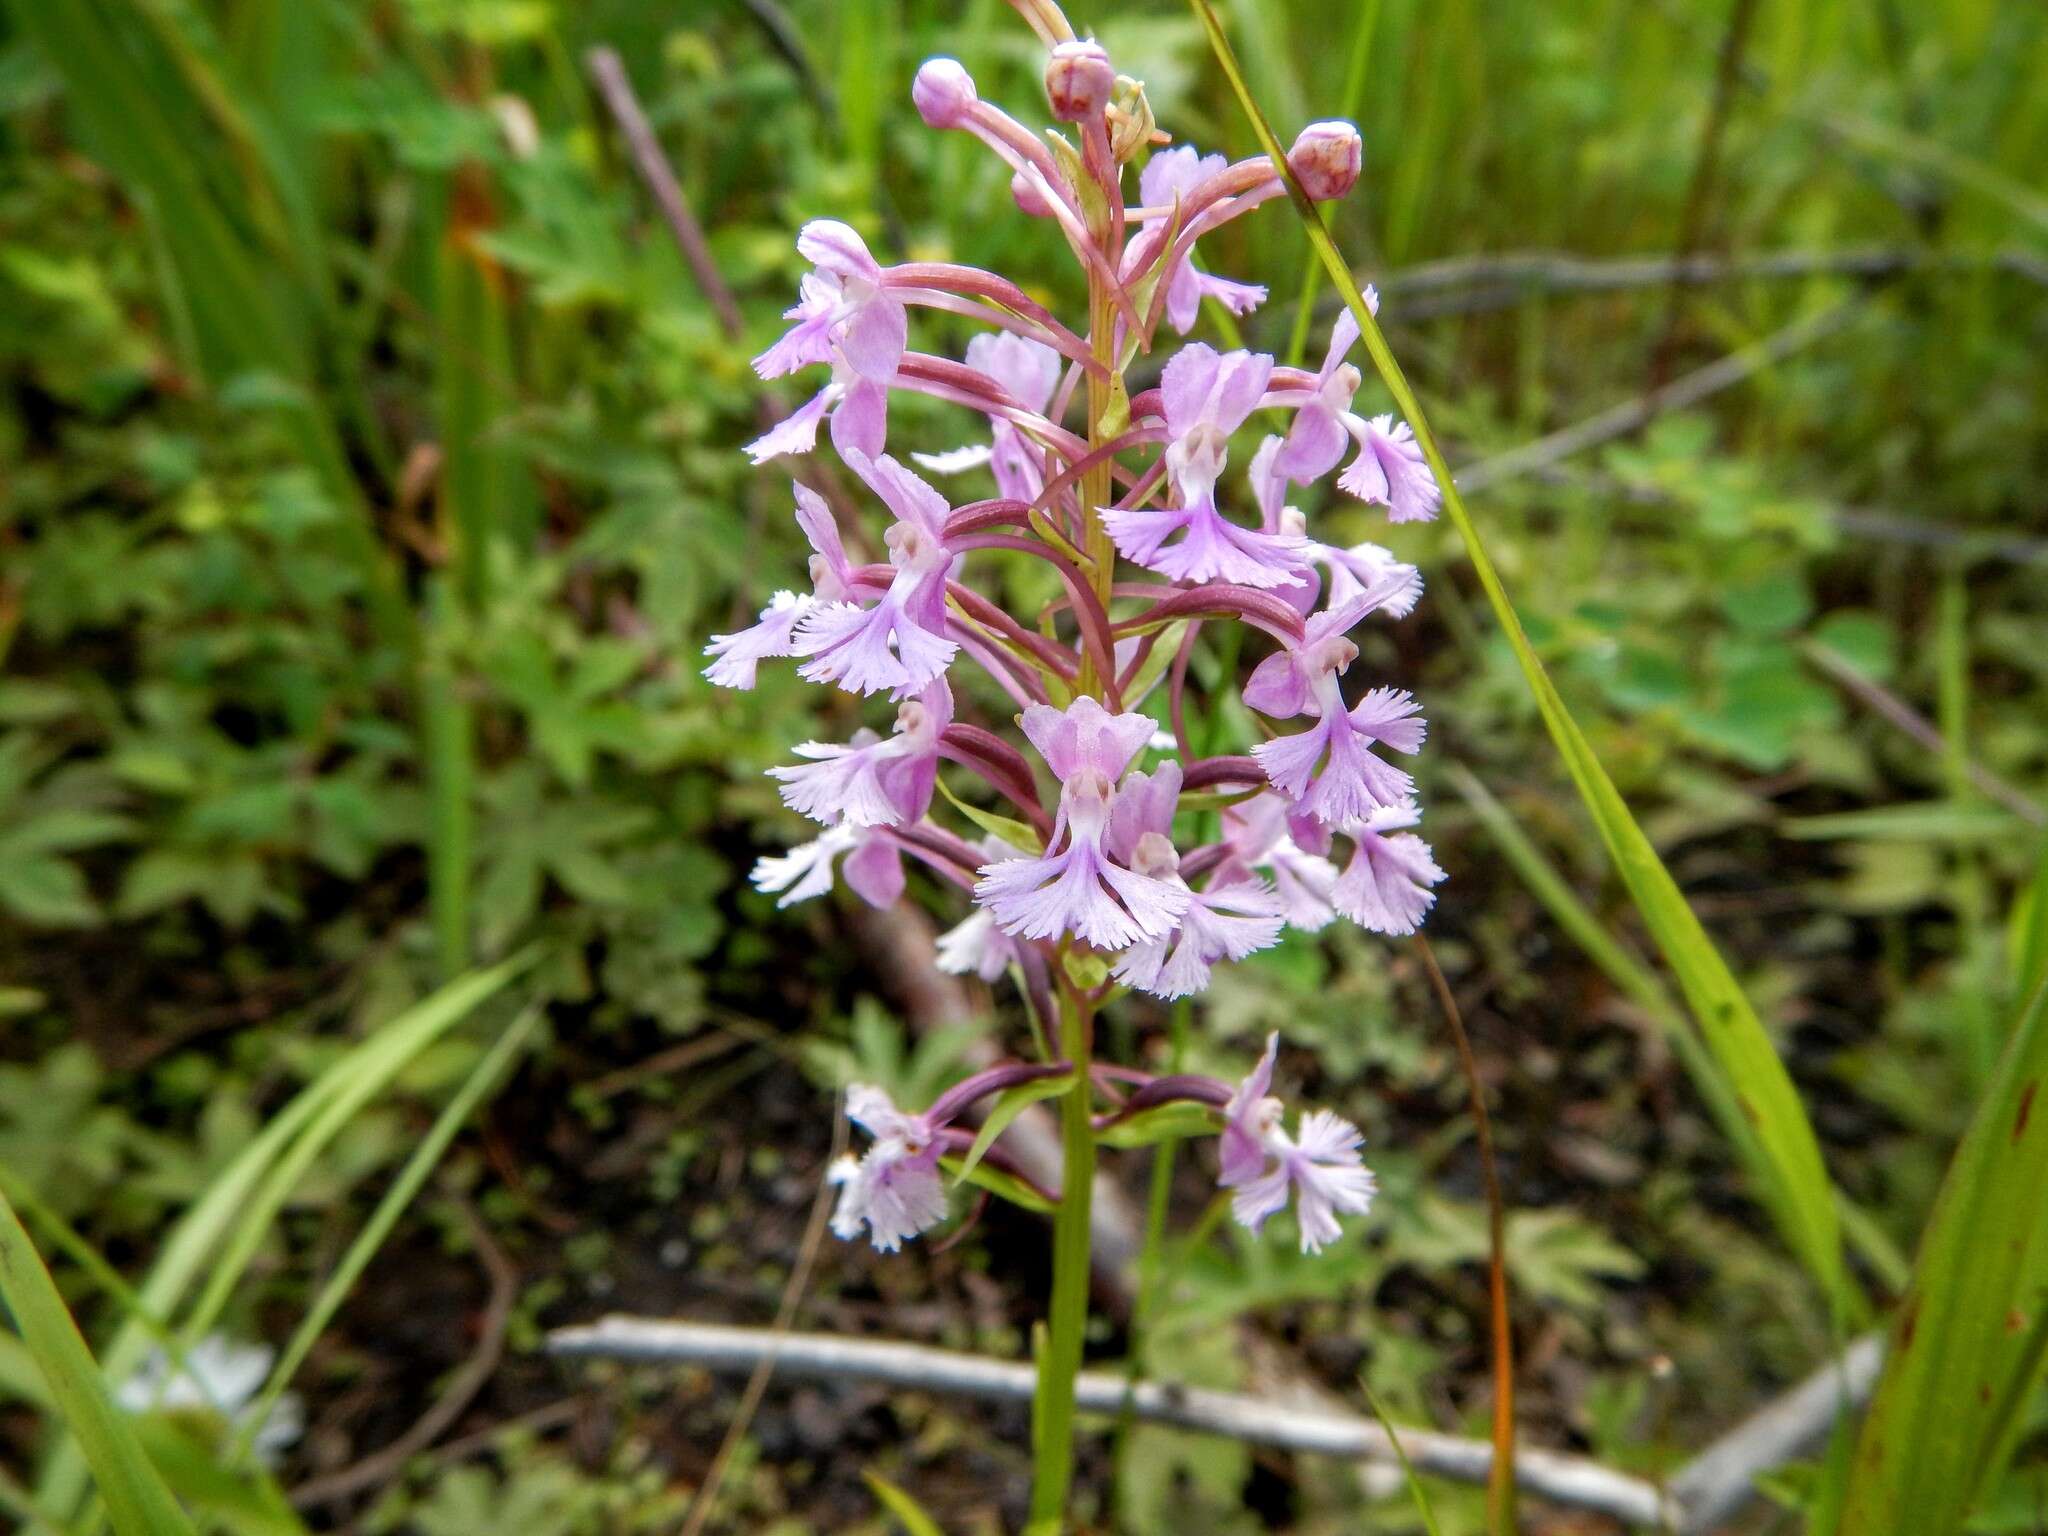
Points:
(1798, 1193)
(137, 1502)
(48, 891)
(1970, 1342)
(1011, 1103)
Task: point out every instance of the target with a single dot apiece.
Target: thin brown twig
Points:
(1632, 415)
(608, 71)
(380, 1466)
(1909, 721)
(1467, 283)
(1699, 191)
(1500, 1484)
(785, 1314)
(675, 1059)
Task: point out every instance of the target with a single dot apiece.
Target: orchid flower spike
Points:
(1089, 884)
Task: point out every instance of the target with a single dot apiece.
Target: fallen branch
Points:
(1631, 415)
(1475, 284)
(1709, 1489)
(1910, 722)
(821, 1357)
(1715, 1484)
(608, 72)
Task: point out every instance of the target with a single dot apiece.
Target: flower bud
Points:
(1078, 82)
(943, 93)
(1029, 199)
(1327, 157)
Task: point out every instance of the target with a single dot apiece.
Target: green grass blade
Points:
(2030, 930)
(484, 1078)
(407, 1035)
(137, 1502)
(15, 1501)
(448, 753)
(902, 1508)
(237, 1207)
(137, 110)
(1417, 1494)
(1970, 1343)
(1798, 1194)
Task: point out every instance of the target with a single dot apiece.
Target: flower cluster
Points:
(1129, 498)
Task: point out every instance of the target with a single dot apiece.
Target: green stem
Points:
(1060, 1361)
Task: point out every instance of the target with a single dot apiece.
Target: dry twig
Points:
(609, 73)
(1908, 720)
(1632, 415)
(379, 1467)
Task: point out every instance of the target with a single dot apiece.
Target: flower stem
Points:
(1060, 1361)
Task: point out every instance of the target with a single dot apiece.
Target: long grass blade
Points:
(1970, 1343)
(220, 1233)
(137, 1502)
(137, 108)
(483, 1078)
(1417, 1494)
(1798, 1196)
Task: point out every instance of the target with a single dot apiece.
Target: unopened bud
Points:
(943, 93)
(1078, 82)
(1029, 199)
(1327, 157)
